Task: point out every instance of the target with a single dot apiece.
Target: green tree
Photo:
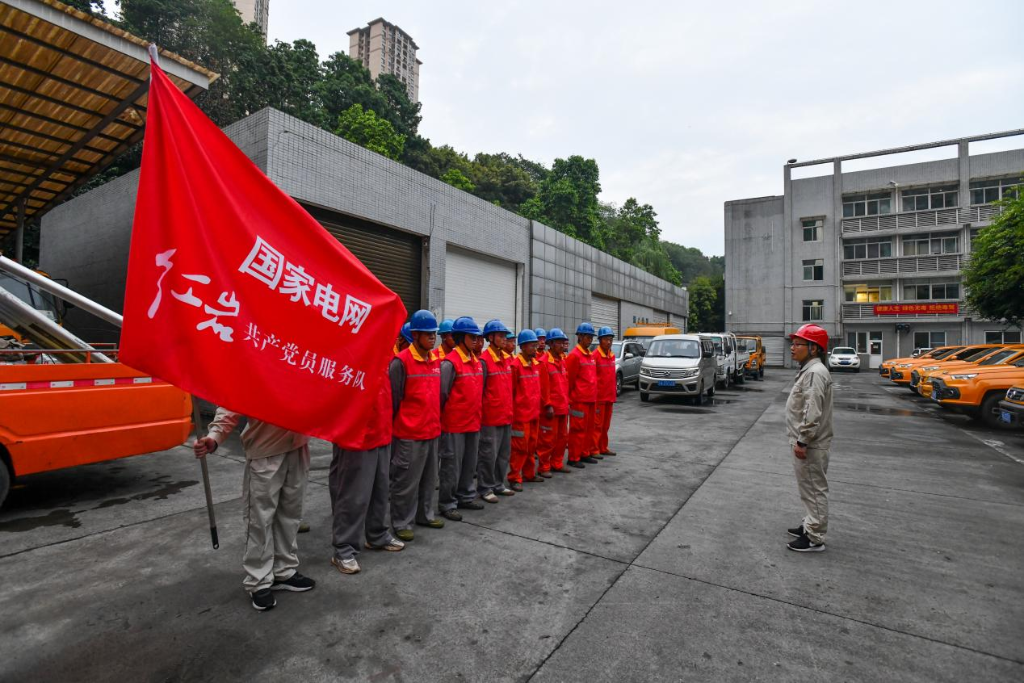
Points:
(501, 179)
(567, 200)
(365, 128)
(994, 277)
(691, 262)
(702, 304)
(403, 113)
(455, 178)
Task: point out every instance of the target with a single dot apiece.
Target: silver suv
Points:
(678, 365)
(628, 355)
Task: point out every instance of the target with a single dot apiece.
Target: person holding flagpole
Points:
(273, 488)
(416, 407)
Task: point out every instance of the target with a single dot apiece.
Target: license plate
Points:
(666, 383)
(1005, 416)
(844, 362)
(935, 394)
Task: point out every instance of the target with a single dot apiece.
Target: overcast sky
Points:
(685, 105)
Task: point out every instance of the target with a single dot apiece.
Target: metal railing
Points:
(911, 220)
(37, 356)
(905, 264)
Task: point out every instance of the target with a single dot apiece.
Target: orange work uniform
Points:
(581, 373)
(554, 431)
(605, 365)
(525, 416)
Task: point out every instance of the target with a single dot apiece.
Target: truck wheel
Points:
(711, 391)
(760, 372)
(618, 383)
(741, 377)
(990, 410)
(644, 396)
(5, 482)
(698, 400)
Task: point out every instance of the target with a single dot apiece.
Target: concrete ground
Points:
(667, 562)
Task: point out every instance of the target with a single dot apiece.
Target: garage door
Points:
(393, 256)
(604, 312)
(775, 349)
(479, 286)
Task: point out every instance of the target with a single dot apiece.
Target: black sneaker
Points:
(471, 505)
(297, 583)
(589, 460)
(597, 456)
(797, 532)
(516, 486)
(804, 545)
(452, 515)
(577, 465)
(263, 599)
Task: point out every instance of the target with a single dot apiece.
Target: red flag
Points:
(239, 296)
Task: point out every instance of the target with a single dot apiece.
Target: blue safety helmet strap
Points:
(527, 336)
(466, 325)
(423, 321)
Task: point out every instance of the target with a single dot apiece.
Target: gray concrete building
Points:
(436, 246)
(873, 256)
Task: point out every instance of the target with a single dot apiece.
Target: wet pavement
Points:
(666, 562)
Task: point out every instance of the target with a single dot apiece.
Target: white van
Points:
(726, 361)
(678, 365)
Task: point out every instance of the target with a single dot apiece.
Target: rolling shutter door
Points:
(394, 257)
(661, 317)
(604, 313)
(480, 287)
(775, 351)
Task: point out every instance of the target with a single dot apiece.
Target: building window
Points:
(813, 309)
(867, 248)
(813, 228)
(929, 340)
(924, 198)
(988, 191)
(923, 245)
(931, 291)
(1002, 336)
(814, 269)
(867, 204)
(867, 294)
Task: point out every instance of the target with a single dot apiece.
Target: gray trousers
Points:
(458, 467)
(273, 490)
(813, 486)
(413, 482)
(359, 499)
(492, 464)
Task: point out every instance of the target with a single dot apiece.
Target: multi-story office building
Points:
(383, 48)
(254, 11)
(873, 256)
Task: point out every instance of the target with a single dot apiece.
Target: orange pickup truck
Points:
(977, 392)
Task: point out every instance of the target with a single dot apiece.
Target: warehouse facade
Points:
(436, 246)
(874, 256)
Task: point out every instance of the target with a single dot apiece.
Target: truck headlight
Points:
(970, 375)
(929, 368)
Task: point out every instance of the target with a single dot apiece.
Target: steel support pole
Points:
(19, 235)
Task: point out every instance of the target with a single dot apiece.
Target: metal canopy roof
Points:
(73, 93)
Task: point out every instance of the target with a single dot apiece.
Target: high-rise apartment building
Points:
(254, 11)
(383, 48)
(874, 256)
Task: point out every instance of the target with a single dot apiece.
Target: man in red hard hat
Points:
(809, 426)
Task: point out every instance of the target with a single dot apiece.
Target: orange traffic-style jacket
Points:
(605, 365)
(554, 385)
(525, 389)
(464, 407)
(582, 374)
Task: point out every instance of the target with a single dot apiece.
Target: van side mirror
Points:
(628, 355)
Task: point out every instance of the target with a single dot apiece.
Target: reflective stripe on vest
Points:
(606, 373)
(527, 391)
(464, 407)
(584, 389)
(497, 408)
(419, 413)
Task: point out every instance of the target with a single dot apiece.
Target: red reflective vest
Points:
(582, 374)
(605, 366)
(464, 407)
(525, 389)
(497, 410)
(554, 386)
(378, 429)
(419, 413)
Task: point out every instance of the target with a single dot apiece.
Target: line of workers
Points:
(460, 422)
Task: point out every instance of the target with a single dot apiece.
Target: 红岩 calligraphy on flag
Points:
(236, 294)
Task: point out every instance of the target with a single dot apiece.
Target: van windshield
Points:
(674, 348)
(741, 345)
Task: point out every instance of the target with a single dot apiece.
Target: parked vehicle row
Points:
(695, 365)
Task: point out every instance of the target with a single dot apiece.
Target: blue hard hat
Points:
(556, 334)
(527, 336)
(446, 326)
(407, 332)
(605, 332)
(492, 326)
(423, 321)
(509, 334)
(540, 332)
(585, 328)
(466, 325)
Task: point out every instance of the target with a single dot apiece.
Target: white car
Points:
(680, 365)
(844, 358)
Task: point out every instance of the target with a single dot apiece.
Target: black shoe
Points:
(471, 505)
(453, 515)
(563, 470)
(804, 545)
(797, 532)
(516, 486)
(534, 480)
(577, 465)
(596, 456)
(263, 599)
(609, 452)
(297, 583)
(588, 460)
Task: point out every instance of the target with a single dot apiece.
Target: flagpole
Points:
(197, 418)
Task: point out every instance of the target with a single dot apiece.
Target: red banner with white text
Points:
(917, 309)
(236, 294)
